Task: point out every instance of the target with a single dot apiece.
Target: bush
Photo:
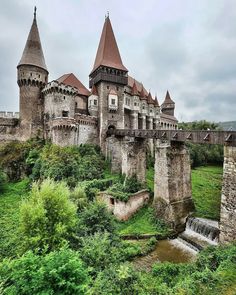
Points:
(71, 164)
(3, 180)
(92, 187)
(95, 218)
(116, 280)
(79, 198)
(47, 217)
(98, 251)
(59, 272)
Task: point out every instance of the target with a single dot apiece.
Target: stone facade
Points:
(172, 184)
(124, 210)
(228, 197)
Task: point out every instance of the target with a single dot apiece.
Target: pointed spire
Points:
(94, 90)
(108, 53)
(168, 98)
(142, 94)
(149, 98)
(156, 102)
(134, 89)
(33, 52)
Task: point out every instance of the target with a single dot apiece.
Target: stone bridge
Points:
(172, 180)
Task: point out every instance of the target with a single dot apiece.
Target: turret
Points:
(32, 76)
(110, 76)
(93, 102)
(168, 106)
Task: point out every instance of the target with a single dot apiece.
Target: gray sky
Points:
(186, 46)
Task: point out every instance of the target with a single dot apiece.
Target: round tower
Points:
(32, 76)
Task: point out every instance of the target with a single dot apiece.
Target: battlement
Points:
(4, 114)
(64, 123)
(55, 86)
(85, 119)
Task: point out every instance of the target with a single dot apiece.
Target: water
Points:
(166, 250)
(199, 233)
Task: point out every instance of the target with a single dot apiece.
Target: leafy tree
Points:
(59, 272)
(47, 217)
(79, 198)
(99, 251)
(95, 218)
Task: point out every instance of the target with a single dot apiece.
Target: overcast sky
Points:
(186, 46)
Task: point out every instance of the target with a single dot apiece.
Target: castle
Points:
(67, 113)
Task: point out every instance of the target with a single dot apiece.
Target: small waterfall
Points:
(200, 233)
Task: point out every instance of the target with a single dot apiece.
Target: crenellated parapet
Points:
(56, 87)
(86, 120)
(4, 114)
(64, 123)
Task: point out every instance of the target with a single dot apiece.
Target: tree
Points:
(59, 272)
(95, 218)
(47, 218)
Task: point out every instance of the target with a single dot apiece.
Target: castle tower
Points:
(168, 106)
(32, 76)
(109, 75)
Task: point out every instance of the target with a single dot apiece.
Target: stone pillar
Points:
(133, 162)
(228, 197)
(134, 120)
(144, 125)
(113, 153)
(172, 184)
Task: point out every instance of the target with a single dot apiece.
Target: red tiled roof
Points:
(94, 90)
(138, 84)
(150, 99)
(33, 52)
(156, 102)
(71, 79)
(108, 53)
(134, 89)
(168, 98)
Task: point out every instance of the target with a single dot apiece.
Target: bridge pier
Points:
(172, 184)
(127, 156)
(228, 197)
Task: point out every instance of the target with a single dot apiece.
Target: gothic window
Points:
(113, 101)
(95, 102)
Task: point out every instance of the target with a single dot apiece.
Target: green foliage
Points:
(206, 191)
(98, 251)
(47, 217)
(71, 164)
(95, 218)
(143, 222)
(203, 154)
(14, 155)
(150, 178)
(79, 198)
(120, 280)
(3, 180)
(92, 187)
(124, 187)
(59, 272)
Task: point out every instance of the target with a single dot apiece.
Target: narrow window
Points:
(95, 102)
(113, 101)
(65, 114)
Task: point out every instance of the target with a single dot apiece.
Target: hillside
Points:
(228, 125)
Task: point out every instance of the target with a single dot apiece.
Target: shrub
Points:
(95, 218)
(79, 198)
(98, 251)
(59, 272)
(47, 217)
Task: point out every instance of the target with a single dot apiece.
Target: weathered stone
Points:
(172, 184)
(228, 197)
(124, 210)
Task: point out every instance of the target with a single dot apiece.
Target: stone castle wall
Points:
(228, 197)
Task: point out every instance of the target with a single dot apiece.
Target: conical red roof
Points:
(134, 89)
(33, 52)
(156, 102)
(142, 94)
(168, 98)
(149, 98)
(108, 53)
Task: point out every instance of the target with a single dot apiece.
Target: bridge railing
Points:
(196, 136)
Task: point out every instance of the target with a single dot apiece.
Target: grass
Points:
(9, 216)
(206, 191)
(143, 222)
(150, 178)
